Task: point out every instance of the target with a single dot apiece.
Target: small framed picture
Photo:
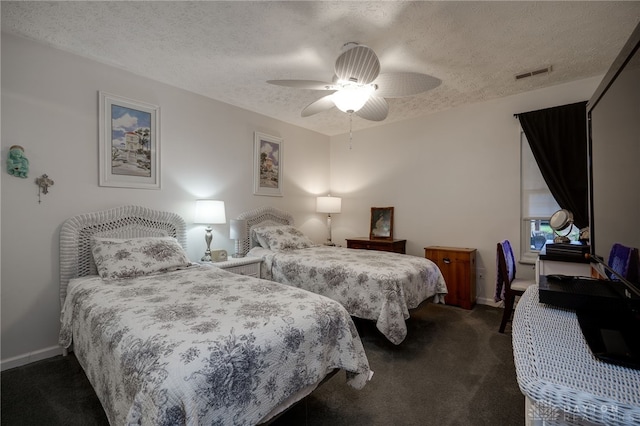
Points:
(381, 223)
(129, 143)
(268, 165)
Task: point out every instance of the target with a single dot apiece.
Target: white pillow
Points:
(283, 237)
(118, 258)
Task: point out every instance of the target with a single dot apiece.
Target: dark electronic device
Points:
(613, 117)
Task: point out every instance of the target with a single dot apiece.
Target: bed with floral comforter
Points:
(374, 285)
(166, 342)
(204, 346)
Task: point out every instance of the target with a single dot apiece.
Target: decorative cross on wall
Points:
(43, 183)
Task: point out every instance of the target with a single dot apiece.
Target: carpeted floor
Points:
(454, 368)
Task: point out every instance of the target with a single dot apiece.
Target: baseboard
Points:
(20, 360)
(490, 302)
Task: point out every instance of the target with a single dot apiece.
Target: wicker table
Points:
(562, 381)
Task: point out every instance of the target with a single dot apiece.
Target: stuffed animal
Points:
(17, 163)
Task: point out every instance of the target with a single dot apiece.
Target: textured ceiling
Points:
(227, 50)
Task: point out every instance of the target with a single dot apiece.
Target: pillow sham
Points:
(118, 258)
(283, 237)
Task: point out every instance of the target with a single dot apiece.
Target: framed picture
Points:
(268, 165)
(381, 223)
(129, 143)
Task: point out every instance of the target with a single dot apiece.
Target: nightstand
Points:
(458, 267)
(249, 266)
(397, 246)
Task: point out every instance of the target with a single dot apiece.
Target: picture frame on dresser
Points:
(381, 223)
(268, 165)
(129, 142)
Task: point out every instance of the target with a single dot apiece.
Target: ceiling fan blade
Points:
(304, 84)
(359, 64)
(399, 84)
(323, 104)
(376, 109)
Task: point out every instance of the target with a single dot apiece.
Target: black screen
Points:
(614, 154)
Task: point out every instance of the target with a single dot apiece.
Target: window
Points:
(537, 206)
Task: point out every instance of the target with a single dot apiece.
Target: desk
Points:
(562, 381)
(550, 266)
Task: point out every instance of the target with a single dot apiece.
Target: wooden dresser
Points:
(458, 266)
(397, 246)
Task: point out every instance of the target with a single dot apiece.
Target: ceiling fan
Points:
(358, 87)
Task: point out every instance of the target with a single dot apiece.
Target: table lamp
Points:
(238, 232)
(329, 205)
(209, 212)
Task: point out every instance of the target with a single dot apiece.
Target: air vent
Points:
(546, 70)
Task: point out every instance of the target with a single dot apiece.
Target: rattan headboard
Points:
(76, 259)
(260, 217)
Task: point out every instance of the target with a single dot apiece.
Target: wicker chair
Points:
(512, 287)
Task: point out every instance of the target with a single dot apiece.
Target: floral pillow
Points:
(118, 258)
(283, 237)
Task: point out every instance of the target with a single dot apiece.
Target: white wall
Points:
(453, 177)
(50, 107)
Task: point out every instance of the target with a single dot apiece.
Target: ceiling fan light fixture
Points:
(358, 87)
(352, 97)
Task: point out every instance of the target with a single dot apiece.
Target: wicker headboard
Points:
(261, 216)
(76, 259)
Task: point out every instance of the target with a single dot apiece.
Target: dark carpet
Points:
(454, 368)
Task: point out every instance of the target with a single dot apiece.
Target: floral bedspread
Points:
(375, 285)
(204, 346)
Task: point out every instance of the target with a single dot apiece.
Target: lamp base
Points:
(207, 238)
(560, 239)
(329, 243)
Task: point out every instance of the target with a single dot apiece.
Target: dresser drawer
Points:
(252, 270)
(397, 246)
(249, 266)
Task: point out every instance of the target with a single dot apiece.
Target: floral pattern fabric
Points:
(282, 237)
(375, 285)
(118, 258)
(204, 346)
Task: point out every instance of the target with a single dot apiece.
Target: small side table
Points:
(397, 246)
(458, 267)
(241, 265)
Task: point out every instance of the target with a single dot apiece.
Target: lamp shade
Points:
(237, 229)
(210, 212)
(328, 204)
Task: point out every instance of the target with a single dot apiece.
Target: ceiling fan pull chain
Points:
(350, 129)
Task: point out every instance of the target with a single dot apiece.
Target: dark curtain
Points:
(558, 140)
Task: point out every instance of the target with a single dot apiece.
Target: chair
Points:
(620, 261)
(507, 285)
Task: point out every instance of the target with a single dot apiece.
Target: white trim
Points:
(30, 357)
(489, 302)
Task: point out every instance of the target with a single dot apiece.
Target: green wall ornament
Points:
(17, 163)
